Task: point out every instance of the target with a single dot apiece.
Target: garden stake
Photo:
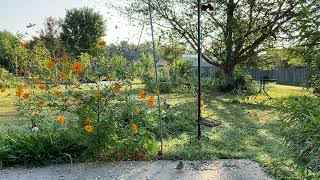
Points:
(156, 73)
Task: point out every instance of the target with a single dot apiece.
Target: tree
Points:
(7, 43)
(81, 29)
(233, 32)
(309, 41)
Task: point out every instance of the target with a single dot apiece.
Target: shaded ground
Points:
(219, 169)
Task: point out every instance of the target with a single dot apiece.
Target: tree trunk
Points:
(228, 75)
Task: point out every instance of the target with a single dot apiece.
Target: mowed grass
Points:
(250, 127)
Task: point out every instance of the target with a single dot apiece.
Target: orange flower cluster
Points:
(2, 90)
(61, 119)
(88, 128)
(40, 102)
(101, 43)
(143, 94)
(77, 68)
(88, 120)
(26, 85)
(134, 128)
(42, 86)
(151, 101)
(64, 59)
(26, 45)
(51, 64)
(116, 88)
(19, 92)
(58, 93)
(37, 81)
(26, 96)
(63, 75)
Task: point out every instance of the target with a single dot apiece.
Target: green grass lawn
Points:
(250, 128)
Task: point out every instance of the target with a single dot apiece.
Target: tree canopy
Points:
(81, 29)
(233, 32)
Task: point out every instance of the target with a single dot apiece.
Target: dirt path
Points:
(219, 169)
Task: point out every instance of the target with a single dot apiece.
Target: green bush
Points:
(301, 126)
(46, 146)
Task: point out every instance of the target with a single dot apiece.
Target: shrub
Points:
(301, 126)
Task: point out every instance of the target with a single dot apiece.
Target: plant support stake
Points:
(156, 73)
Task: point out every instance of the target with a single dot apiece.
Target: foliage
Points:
(249, 27)
(301, 125)
(81, 30)
(7, 43)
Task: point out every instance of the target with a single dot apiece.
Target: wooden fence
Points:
(289, 76)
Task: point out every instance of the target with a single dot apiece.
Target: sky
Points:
(15, 15)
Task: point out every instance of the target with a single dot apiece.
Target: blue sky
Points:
(16, 14)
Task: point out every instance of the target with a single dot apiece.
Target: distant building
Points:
(194, 59)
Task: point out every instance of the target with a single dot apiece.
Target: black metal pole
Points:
(199, 73)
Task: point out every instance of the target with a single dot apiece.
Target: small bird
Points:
(166, 105)
(179, 166)
(30, 25)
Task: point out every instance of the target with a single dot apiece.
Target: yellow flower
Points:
(77, 68)
(87, 120)
(156, 91)
(116, 88)
(101, 43)
(58, 93)
(134, 128)
(98, 96)
(64, 59)
(26, 96)
(88, 128)
(60, 118)
(51, 64)
(151, 101)
(143, 94)
(202, 103)
(26, 45)
(40, 102)
(63, 75)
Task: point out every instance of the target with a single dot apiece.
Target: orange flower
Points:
(26, 85)
(26, 96)
(63, 75)
(156, 91)
(87, 120)
(64, 59)
(60, 118)
(134, 128)
(101, 43)
(143, 94)
(40, 102)
(77, 68)
(37, 81)
(19, 91)
(116, 88)
(2, 90)
(98, 96)
(51, 64)
(88, 128)
(26, 45)
(58, 93)
(42, 86)
(151, 101)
